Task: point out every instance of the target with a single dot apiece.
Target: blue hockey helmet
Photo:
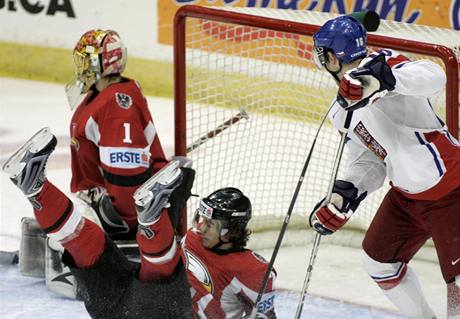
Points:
(344, 36)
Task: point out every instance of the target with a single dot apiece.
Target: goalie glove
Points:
(366, 84)
(105, 214)
(326, 219)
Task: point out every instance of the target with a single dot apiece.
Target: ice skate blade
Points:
(15, 164)
(165, 176)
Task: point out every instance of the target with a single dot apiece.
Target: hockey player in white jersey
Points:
(394, 133)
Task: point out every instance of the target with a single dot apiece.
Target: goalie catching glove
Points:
(364, 85)
(344, 202)
(103, 212)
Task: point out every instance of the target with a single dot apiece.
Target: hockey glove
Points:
(106, 215)
(326, 219)
(364, 85)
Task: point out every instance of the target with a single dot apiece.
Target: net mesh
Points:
(262, 87)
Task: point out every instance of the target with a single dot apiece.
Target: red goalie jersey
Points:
(114, 145)
(225, 284)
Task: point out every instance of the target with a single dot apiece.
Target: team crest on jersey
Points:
(370, 142)
(199, 270)
(123, 100)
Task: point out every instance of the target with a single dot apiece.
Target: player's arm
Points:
(365, 170)
(422, 78)
(365, 174)
(387, 71)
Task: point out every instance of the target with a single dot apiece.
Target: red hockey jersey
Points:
(225, 285)
(114, 145)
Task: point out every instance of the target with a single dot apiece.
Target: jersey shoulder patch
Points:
(123, 100)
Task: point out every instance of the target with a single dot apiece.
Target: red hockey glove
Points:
(326, 219)
(362, 86)
(350, 88)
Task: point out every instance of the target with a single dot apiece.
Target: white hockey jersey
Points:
(401, 137)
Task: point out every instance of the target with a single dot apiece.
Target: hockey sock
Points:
(408, 297)
(453, 299)
(61, 221)
(158, 248)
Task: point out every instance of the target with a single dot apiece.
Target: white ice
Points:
(339, 287)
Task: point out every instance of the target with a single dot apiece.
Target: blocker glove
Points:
(364, 85)
(326, 219)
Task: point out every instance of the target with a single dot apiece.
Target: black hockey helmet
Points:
(230, 206)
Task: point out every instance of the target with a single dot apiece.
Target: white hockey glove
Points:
(92, 195)
(106, 215)
(366, 84)
(344, 202)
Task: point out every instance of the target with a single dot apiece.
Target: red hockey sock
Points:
(88, 246)
(58, 218)
(159, 251)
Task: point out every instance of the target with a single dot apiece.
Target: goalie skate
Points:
(26, 167)
(154, 194)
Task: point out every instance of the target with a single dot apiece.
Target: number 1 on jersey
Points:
(127, 138)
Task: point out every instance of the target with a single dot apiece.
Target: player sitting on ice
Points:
(110, 285)
(394, 133)
(225, 277)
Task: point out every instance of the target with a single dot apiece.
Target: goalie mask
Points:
(345, 37)
(98, 53)
(232, 209)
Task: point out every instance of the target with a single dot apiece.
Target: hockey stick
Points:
(317, 240)
(222, 127)
(286, 221)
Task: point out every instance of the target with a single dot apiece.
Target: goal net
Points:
(249, 101)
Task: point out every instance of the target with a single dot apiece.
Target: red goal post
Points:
(257, 61)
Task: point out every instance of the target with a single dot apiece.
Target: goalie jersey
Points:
(114, 145)
(225, 284)
(400, 137)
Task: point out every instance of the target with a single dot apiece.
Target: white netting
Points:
(270, 76)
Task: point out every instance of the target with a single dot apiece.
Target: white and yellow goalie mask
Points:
(98, 53)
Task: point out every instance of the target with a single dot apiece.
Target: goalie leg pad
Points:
(154, 194)
(58, 277)
(32, 249)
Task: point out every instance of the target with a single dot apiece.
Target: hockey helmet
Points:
(98, 53)
(344, 36)
(231, 207)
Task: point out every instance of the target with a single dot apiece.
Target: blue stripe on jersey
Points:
(398, 272)
(430, 148)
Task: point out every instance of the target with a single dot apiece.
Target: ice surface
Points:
(26, 106)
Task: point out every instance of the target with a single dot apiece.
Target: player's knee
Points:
(386, 275)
